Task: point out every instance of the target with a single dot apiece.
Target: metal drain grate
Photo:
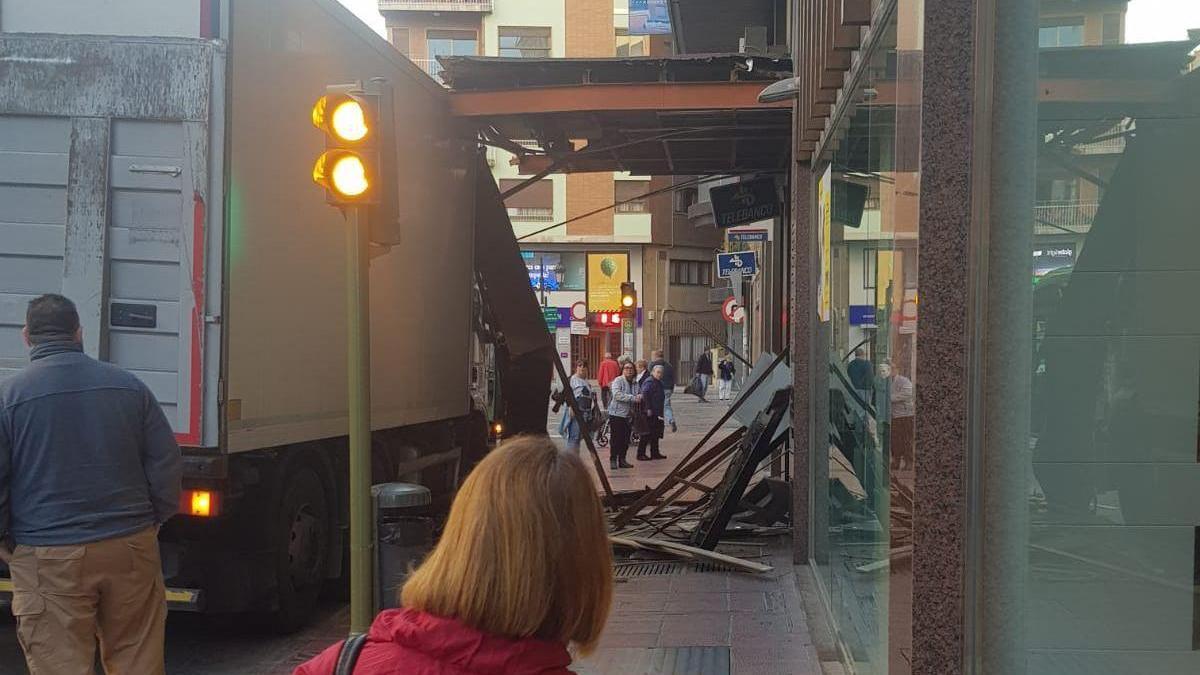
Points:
(630, 570)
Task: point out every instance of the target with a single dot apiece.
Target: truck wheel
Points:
(303, 525)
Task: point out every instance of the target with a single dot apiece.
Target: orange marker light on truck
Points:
(200, 503)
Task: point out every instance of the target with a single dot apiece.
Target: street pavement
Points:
(682, 621)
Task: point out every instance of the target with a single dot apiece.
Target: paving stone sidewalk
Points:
(708, 623)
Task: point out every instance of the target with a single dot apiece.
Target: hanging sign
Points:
(744, 202)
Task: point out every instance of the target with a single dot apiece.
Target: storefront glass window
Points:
(575, 277)
(868, 198)
(1106, 382)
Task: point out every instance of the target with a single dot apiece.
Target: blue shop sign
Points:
(862, 315)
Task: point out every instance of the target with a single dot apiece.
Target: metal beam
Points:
(656, 96)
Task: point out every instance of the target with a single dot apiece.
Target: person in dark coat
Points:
(652, 409)
(726, 370)
(862, 374)
(668, 383)
(704, 370)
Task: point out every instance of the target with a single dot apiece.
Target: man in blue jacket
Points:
(89, 470)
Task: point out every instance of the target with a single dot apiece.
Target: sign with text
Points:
(550, 315)
(744, 236)
(744, 202)
(862, 315)
(745, 262)
(1050, 258)
(605, 272)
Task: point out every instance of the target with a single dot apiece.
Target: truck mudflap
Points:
(178, 599)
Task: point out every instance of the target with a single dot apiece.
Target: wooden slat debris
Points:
(689, 553)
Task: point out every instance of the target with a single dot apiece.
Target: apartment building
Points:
(578, 246)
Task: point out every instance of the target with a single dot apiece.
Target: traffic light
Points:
(628, 298)
(349, 167)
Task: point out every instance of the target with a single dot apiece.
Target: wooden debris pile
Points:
(696, 501)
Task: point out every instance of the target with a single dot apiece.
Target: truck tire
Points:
(303, 526)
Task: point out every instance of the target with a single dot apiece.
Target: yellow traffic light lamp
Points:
(628, 298)
(342, 116)
(343, 173)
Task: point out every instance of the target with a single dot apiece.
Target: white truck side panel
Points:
(285, 312)
(165, 18)
(105, 190)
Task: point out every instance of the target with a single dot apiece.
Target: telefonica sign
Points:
(744, 202)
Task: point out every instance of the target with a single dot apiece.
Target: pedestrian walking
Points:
(725, 373)
(521, 577)
(89, 470)
(625, 396)
(668, 383)
(609, 370)
(704, 372)
(652, 410)
(861, 374)
(572, 428)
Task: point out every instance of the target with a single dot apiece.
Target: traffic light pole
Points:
(358, 371)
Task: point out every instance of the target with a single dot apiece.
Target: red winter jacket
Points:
(407, 642)
(609, 371)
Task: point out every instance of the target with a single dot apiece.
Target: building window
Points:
(525, 42)
(1112, 29)
(449, 43)
(630, 196)
(398, 36)
(1058, 190)
(1065, 32)
(534, 203)
(632, 45)
(691, 273)
(684, 198)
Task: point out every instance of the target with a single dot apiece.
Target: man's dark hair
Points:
(51, 317)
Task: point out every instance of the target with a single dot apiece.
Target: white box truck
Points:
(155, 167)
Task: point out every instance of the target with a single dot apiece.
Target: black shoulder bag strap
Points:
(348, 654)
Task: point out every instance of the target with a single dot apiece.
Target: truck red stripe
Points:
(192, 436)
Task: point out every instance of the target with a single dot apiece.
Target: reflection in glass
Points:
(863, 548)
(1114, 485)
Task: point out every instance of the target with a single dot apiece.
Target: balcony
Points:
(700, 214)
(1062, 217)
(431, 67)
(483, 6)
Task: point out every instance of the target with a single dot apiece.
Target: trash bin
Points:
(403, 535)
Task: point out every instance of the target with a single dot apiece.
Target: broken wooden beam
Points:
(689, 553)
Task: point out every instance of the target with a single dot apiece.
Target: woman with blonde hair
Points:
(523, 571)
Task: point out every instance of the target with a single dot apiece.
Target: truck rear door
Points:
(104, 197)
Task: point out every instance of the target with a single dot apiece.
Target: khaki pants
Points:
(66, 598)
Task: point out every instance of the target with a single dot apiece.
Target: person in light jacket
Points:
(570, 428)
(625, 394)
